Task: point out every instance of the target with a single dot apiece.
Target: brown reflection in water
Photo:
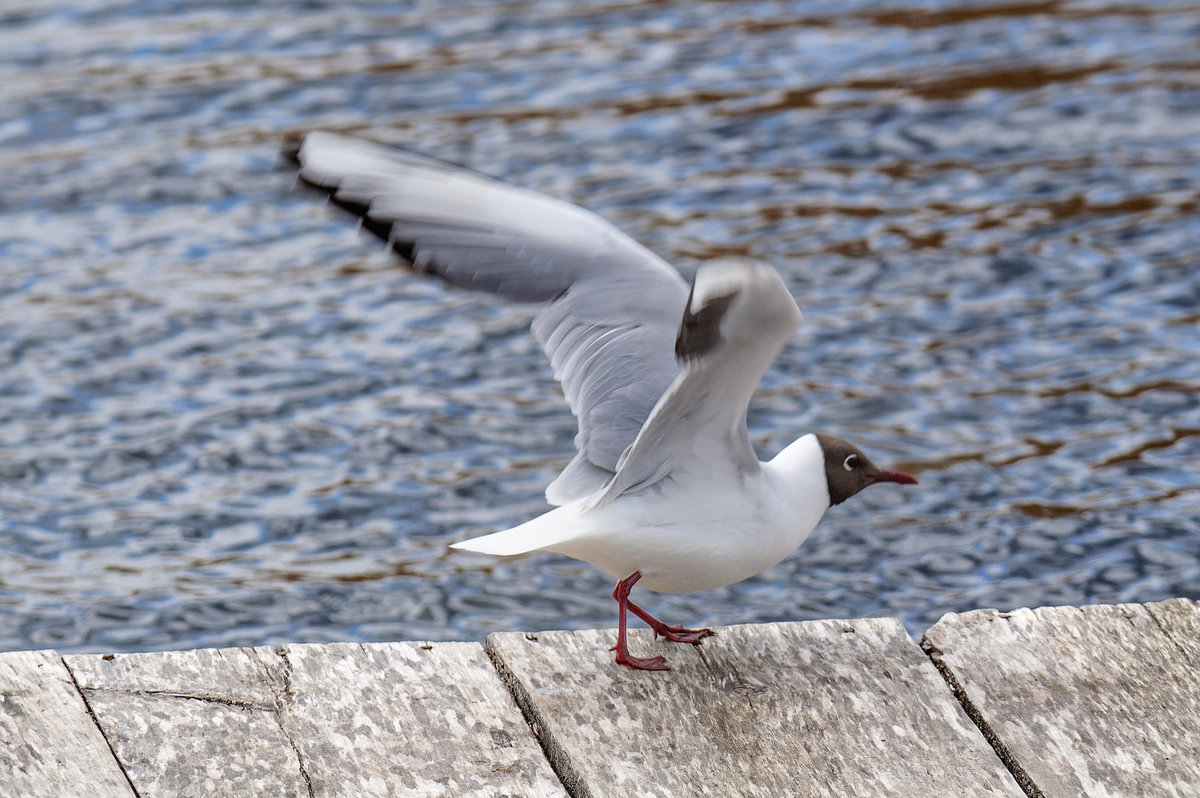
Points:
(1044, 510)
(1039, 448)
(319, 575)
(1024, 77)
(931, 240)
(1087, 386)
(953, 85)
(1078, 205)
(915, 467)
(918, 225)
(1135, 454)
(1186, 320)
(743, 102)
(924, 18)
(774, 213)
(918, 18)
(644, 104)
(715, 251)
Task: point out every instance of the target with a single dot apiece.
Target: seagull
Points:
(665, 490)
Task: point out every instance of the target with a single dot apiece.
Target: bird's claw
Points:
(643, 663)
(678, 634)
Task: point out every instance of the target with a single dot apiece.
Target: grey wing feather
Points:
(611, 306)
(738, 317)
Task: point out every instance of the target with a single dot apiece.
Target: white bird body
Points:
(666, 490)
(684, 533)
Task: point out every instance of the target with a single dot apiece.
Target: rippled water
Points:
(227, 419)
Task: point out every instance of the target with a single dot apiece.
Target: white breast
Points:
(702, 531)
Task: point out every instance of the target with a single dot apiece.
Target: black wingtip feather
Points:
(376, 227)
(309, 187)
(356, 208)
(289, 150)
(405, 249)
(289, 154)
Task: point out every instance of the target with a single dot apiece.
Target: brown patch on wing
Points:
(700, 331)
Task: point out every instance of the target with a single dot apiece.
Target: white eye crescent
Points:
(851, 462)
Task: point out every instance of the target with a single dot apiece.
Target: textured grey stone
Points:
(332, 720)
(49, 744)
(834, 708)
(1101, 700)
(405, 719)
(195, 723)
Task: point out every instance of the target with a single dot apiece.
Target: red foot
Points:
(641, 663)
(676, 634)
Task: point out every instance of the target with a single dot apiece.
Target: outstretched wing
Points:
(738, 316)
(611, 305)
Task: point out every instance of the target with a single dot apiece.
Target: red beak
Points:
(895, 476)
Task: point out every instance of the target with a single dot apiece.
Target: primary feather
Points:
(611, 306)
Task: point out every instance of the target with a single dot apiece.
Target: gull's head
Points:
(848, 470)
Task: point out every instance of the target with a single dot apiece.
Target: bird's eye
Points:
(851, 462)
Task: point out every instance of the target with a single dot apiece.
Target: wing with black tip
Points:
(611, 307)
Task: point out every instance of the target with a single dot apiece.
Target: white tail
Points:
(539, 533)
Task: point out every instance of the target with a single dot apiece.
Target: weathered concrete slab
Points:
(49, 744)
(348, 719)
(195, 723)
(404, 719)
(833, 708)
(1096, 700)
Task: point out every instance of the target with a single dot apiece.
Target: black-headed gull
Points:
(666, 491)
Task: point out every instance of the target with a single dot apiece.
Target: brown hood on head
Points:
(848, 470)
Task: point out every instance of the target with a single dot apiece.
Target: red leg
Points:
(676, 634)
(621, 594)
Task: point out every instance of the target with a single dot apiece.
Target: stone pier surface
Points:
(1101, 700)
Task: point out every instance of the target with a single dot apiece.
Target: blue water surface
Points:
(226, 418)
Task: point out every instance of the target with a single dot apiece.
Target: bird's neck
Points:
(796, 477)
(799, 473)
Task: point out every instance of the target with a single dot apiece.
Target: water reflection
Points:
(227, 421)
